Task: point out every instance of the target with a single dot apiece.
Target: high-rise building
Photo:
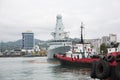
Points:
(113, 37)
(27, 40)
(105, 39)
(95, 44)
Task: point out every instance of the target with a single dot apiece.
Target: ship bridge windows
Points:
(59, 41)
(59, 34)
(59, 28)
(75, 47)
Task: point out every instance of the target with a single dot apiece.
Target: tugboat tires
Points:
(110, 58)
(118, 58)
(93, 70)
(102, 69)
(117, 70)
(104, 58)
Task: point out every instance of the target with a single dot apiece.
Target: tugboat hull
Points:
(75, 62)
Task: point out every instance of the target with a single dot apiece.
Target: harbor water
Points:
(39, 68)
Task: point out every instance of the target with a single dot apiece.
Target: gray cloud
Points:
(100, 17)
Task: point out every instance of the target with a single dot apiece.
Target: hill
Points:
(16, 44)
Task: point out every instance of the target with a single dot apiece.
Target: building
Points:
(113, 37)
(95, 44)
(105, 39)
(28, 40)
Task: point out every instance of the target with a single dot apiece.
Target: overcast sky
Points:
(100, 17)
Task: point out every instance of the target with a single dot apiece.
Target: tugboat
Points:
(79, 56)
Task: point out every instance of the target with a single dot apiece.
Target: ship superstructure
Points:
(60, 43)
(59, 33)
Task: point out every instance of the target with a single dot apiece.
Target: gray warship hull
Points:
(61, 50)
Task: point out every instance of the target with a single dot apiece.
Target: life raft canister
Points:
(118, 58)
(102, 69)
(93, 70)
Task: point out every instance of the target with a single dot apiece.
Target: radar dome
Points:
(59, 16)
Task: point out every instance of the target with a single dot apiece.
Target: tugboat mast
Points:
(82, 41)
